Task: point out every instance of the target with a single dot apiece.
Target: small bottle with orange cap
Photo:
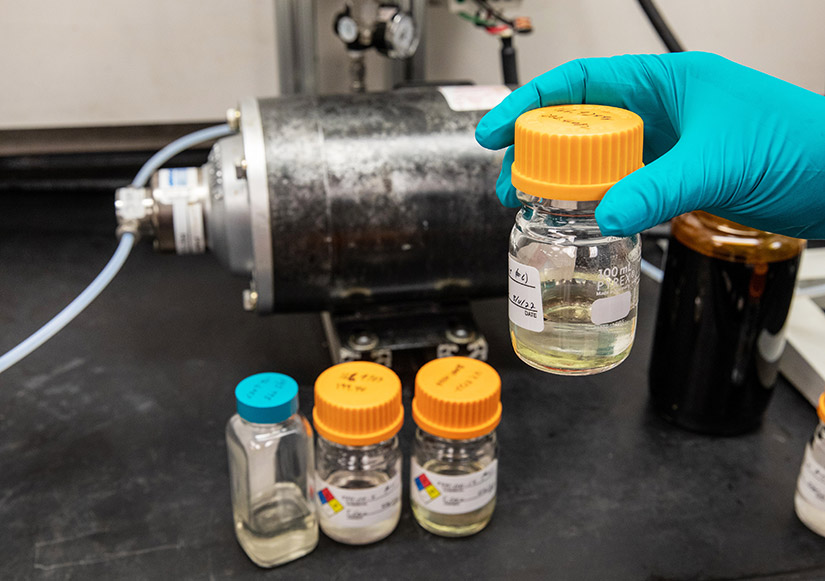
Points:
(809, 500)
(357, 415)
(572, 292)
(453, 469)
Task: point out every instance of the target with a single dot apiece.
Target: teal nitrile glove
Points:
(718, 137)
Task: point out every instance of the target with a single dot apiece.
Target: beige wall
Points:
(97, 62)
(88, 62)
(780, 38)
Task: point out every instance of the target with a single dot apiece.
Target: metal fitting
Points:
(233, 118)
(131, 227)
(240, 169)
(460, 334)
(250, 299)
(363, 341)
(134, 208)
(181, 197)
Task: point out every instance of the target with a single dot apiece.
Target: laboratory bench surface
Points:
(113, 459)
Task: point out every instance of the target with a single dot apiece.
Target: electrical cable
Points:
(476, 19)
(661, 27)
(494, 13)
(504, 28)
(174, 148)
(509, 65)
(127, 240)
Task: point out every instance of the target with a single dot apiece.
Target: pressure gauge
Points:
(395, 33)
(346, 28)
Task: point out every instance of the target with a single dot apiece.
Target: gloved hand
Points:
(718, 137)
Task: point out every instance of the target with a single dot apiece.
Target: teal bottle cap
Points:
(267, 398)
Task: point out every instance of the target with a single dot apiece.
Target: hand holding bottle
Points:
(718, 136)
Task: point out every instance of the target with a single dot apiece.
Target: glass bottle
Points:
(357, 415)
(809, 500)
(270, 468)
(719, 335)
(573, 292)
(454, 464)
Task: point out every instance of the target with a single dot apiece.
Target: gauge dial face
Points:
(403, 33)
(402, 36)
(347, 29)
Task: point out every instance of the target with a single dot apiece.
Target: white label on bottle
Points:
(524, 294)
(448, 494)
(474, 97)
(811, 484)
(358, 507)
(610, 309)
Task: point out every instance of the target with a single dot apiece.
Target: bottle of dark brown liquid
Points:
(719, 331)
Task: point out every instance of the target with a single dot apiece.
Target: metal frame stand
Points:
(382, 333)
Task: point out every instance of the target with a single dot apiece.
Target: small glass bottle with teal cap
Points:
(271, 471)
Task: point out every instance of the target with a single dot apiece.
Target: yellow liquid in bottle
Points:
(452, 525)
(571, 344)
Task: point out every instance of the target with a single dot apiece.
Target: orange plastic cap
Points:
(575, 152)
(457, 398)
(820, 409)
(358, 403)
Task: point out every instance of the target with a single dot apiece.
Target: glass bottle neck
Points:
(571, 208)
(344, 447)
(255, 426)
(423, 434)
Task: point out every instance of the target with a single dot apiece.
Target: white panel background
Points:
(86, 62)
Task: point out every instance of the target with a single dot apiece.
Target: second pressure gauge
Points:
(395, 33)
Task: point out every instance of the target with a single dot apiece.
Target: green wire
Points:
(476, 19)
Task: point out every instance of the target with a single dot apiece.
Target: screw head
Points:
(240, 169)
(250, 299)
(363, 341)
(460, 334)
(233, 118)
(461, 331)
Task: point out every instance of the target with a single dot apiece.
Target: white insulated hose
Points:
(127, 240)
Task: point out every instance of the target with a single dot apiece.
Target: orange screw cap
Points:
(358, 403)
(457, 398)
(575, 152)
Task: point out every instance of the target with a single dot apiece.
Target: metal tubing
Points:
(295, 25)
(413, 69)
